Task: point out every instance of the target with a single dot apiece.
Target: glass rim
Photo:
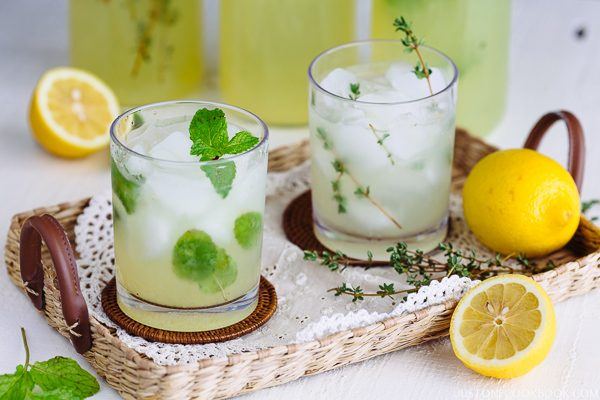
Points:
(357, 43)
(131, 111)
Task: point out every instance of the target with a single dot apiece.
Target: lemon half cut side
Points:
(504, 326)
(71, 112)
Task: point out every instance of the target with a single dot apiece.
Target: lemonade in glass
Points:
(381, 147)
(188, 184)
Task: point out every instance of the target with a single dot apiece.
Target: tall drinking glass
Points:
(187, 239)
(146, 50)
(381, 147)
(475, 33)
(265, 46)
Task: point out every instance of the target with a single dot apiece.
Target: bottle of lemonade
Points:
(475, 34)
(145, 50)
(265, 49)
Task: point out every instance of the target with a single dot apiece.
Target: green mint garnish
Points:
(210, 141)
(221, 176)
(58, 378)
(196, 257)
(126, 190)
(248, 229)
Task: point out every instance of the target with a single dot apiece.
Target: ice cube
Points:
(338, 82)
(137, 166)
(182, 190)
(151, 233)
(175, 147)
(403, 79)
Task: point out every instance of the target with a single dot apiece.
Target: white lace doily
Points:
(305, 310)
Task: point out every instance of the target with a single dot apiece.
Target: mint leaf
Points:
(15, 386)
(248, 229)
(224, 274)
(126, 190)
(241, 142)
(64, 373)
(208, 131)
(55, 394)
(221, 176)
(196, 257)
(210, 141)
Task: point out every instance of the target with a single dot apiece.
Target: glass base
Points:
(188, 319)
(356, 246)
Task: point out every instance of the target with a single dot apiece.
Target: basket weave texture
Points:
(135, 376)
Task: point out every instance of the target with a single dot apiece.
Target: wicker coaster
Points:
(298, 228)
(267, 303)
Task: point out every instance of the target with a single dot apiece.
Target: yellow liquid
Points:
(146, 51)
(266, 47)
(474, 33)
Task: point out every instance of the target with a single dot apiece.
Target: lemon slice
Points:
(71, 112)
(503, 327)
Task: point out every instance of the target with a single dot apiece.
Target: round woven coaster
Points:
(298, 228)
(267, 303)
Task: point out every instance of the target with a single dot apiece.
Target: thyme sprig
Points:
(586, 206)
(342, 170)
(354, 91)
(380, 141)
(412, 43)
(420, 269)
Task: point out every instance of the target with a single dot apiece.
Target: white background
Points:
(549, 69)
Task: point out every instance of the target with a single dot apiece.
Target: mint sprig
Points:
(58, 378)
(126, 190)
(210, 141)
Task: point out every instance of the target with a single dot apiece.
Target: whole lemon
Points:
(520, 201)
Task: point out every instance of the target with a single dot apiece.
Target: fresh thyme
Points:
(354, 91)
(586, 206)
(160, 12)
(336, 186)
(380, 141)
(420, 269)
(412, 43)
(342, 170)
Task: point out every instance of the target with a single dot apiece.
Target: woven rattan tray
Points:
(135, 376)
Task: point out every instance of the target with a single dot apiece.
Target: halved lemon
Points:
(503, 327)
(71, 112)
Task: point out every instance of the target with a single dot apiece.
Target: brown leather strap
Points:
(74, 308)
(576, 159)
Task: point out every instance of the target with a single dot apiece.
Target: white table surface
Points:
(549, 70)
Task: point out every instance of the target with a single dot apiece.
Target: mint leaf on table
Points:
(196, 257)
(65, 373)
(221, 176)
(210, 141)
(59, 378)
(248, 229)
(15, 386)
(126, 190)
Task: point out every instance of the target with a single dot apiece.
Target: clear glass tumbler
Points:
(382, 146)
(265, 46)
(187, 234)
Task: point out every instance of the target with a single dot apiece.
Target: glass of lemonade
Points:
(381, 147)
(187, 233)
(146, 50)
(475, 33)
(265, 46)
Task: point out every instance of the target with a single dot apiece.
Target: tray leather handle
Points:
(576, 160)
(47, 228)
